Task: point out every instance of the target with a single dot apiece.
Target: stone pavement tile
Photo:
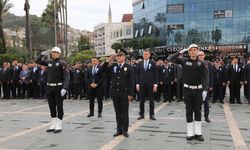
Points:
(241, 114)
(17, 105)
(80, 132)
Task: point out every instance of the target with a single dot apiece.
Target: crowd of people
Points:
(176, 78)
(20, 80)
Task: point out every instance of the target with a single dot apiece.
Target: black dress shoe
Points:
(50, 130)
(57, 131)
(199, 137)
(99, 115)
(239, 102)
(117, 134)
(140, 117)
(190, 138)
(90, 115)
(207, 119)
(126, 134)
(152, 117)
(221, 102)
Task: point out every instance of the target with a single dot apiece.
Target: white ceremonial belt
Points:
(54, 84)
(193, 87)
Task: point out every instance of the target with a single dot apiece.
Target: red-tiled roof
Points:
(127, 17)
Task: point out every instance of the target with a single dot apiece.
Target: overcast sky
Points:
(82, 14)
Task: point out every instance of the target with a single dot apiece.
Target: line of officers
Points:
(29, 80)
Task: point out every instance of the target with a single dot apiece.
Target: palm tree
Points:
(27, 26)
(4, 8)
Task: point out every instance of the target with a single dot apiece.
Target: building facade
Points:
(107, 34)
(213, 24)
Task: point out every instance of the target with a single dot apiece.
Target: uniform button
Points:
(119, 71)
(117, 83)
(118, 77)
(117, 89)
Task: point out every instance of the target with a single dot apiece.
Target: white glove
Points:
(46, 53)
(204, 95)
(183, 51)
(63, 92)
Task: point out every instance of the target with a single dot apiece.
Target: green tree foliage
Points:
(10, 57)
(116, 46)
(81, 56)
(83, 43)
(148, 42)
(4, 8)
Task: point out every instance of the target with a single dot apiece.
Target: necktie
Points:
(145, 64)
(120, 65)
(93, 70)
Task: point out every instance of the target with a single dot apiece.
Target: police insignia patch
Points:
(199, 63)
(50, 65)
(125, 68)
(57, 64)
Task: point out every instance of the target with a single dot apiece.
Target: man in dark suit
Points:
(6, 79)
(179, 83)
(235, 80)
(15, 84)
(201, 56)
(34, 80)
(121, 91)
(95, 90)
(78, 78)
(218, 80)
(160, 90)
(25, 80)
(167, 80)
(71, 82)
(42, 82)
(146, 83)
(247, 79)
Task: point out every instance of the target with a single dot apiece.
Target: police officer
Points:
(121, 91)
(218, 80)
(195, 80)
(57, 85)
(167, 80)
(201, 56)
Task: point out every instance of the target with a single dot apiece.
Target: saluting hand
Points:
(46, 53)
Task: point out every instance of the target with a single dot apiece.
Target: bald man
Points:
(201, 56)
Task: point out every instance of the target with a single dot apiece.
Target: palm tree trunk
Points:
(2, 39)
(60, 4)
(66, 28)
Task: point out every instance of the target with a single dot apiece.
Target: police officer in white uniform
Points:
(195, 79)
(57, 85)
